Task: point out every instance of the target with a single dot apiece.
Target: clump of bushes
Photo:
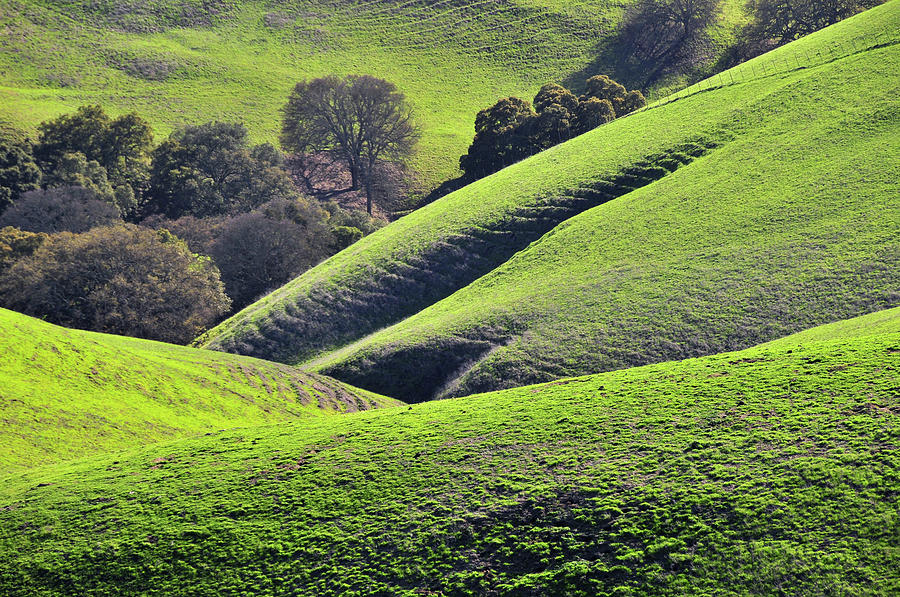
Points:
(512, 129)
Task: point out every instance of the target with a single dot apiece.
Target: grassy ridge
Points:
(178, 61)
(773, 467)
(781, 223)
(67, 393)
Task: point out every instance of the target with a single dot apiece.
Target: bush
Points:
(63, 209)
(118, 279)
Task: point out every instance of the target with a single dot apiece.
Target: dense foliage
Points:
(211, 169)
(61, 209)
(18, 171)
(119, 279)
(511, 130)
(89, 148)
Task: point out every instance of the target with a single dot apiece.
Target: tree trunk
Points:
(354, 177)
(369, 193)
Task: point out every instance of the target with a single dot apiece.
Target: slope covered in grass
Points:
(714, 222)
(773, 469)
(187, 61)
(66, 393)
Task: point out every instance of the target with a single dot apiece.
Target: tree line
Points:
(100, 229)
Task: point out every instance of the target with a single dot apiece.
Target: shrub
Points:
(118, 279)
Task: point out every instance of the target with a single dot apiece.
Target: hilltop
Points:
(67, 393)
(730, 474)
(737, 212)
(186, 61)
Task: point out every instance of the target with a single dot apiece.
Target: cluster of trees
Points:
(101, 230)
(512, 129)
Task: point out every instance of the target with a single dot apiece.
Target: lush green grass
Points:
(67, 393)
(773, 470)
(183, 61)
(787, 221)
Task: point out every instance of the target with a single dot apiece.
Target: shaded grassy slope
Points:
(180, 61)
(770, 216)
(770, 470)
(67, 393)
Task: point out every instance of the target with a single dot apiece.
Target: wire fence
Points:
(782, 62)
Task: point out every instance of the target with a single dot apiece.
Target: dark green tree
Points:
(499, 138)
(121, 146)
(362, 119)
(18, 172)
(211, 169)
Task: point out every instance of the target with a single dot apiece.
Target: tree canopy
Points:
(512, 130)
(211, 169)
(88, 140)
(18, 172)
(118, 279)
(361, 118)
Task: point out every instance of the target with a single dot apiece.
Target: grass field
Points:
(767, 471)
(726, 218)
(186, 61)
(67, 393)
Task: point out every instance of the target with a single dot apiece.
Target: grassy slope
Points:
(67, 393)
(770, 470)
(787, 224)
(238, 60)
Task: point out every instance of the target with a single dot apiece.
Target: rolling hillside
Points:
(767, 471)
(738, 214)
(67, 393)
(191, 61)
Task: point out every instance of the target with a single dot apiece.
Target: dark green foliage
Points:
(211, 169)
(15, 244)
(511, 130)
(344, 236)
(119, 279)
(770, 471)
(60, 209)
(361, 118)
(18, 171)
(499, 139)
(107, 152)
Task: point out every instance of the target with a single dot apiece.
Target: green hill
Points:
(734, 215)
(191, 61)
(767, 471)
(67, 393)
